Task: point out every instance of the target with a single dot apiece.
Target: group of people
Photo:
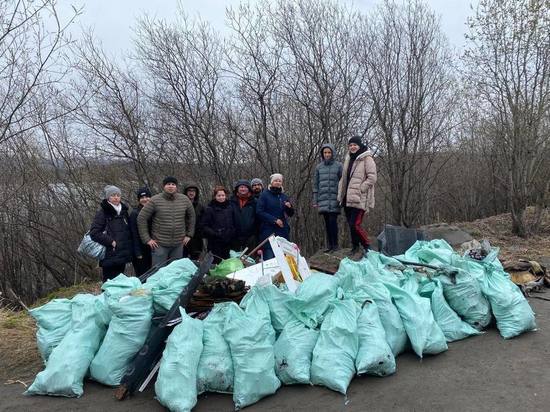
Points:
(172, 224)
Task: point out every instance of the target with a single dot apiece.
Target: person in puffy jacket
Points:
(218, 224)
(142, 253)
(111, 229)
(273, 210)
(243, 203)
(325, 194)
(193, 249)
(356, 191)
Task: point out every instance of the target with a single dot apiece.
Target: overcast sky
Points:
(112, 20)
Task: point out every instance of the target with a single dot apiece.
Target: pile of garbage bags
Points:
(331, 329)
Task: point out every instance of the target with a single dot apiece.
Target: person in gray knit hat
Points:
(111, 229)
(257, 186)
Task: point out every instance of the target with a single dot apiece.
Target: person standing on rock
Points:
(356, 191)
(111, 229)
(171, 217)
(325, 194)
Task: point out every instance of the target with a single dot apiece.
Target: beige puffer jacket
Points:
(360, 191)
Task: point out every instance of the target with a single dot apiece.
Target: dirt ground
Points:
(482, 373)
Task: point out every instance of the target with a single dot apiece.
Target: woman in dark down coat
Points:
(325, 194)
(111, 229)
(218, 224)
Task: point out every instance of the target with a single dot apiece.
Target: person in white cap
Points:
(273, 210)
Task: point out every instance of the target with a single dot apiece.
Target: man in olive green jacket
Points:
(172, 218)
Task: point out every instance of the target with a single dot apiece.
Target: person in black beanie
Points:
(142, 253)
(356, 191)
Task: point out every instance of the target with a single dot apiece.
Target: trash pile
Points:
(329, 330)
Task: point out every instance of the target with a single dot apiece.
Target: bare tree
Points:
(508, 63)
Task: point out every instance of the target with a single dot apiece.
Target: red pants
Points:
(359, 235)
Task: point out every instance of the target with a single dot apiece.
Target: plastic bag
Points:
(425, 335)
(463, 294)
(53, 321)
(333, 361)
(227, 267)
(70, 360)
(450, 323)
(313, 298)
(374, 356)
(215, 372)
(251, 345)
(90, 248)
(176, 385)
(126, 335)
(293, 352)
(436, 251)
(512, 311)
(168, 282)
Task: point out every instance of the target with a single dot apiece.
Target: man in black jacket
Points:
(243, 203)
(142, 253)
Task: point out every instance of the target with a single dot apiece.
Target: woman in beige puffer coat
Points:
(356, 190)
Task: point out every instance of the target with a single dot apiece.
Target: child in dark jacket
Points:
(218, 224)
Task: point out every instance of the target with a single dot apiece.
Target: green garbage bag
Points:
(425, 335)
(255, 305)
(436, 251)
(215, 373)
(333, 361)
(512, 311)
(450, 323)
(374, 356)
(463, 294)
(251, 345)
(227, 267)
(176, 385)
(293, 352)
(168, 282)
(53, 321)
(313, 298)
(70, 360)
(360, 281)
(127, 332)
(280, 303)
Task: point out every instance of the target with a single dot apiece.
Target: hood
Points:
(110, 210)
(240, 183)
(192, 185)
(331, 147)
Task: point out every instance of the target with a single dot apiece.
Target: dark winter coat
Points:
(108, 226)
(270, 207)
(325, 183)
(218, 225)
(194, 247)
(246, 220)
(140, 248)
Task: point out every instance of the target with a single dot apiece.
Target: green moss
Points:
(69, 292)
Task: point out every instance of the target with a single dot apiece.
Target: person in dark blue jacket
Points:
(273, 210)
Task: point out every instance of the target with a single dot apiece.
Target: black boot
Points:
(354, 250)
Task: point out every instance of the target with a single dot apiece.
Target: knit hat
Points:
(143, 192)
(256, 181)
(111, 190)
(275, 176)
(357, 140)
(169, 179)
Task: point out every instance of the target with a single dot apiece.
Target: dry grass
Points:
(20, 358)
(498, 230)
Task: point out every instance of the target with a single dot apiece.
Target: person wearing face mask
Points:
(218, 224)
(111, 229)
(142, 253)
(325, 194)
(273, 210)
(356, 191)
(244, 206)
(167, 223)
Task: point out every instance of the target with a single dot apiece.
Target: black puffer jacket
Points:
(218, 223)
(246, 220)
(108, 226)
